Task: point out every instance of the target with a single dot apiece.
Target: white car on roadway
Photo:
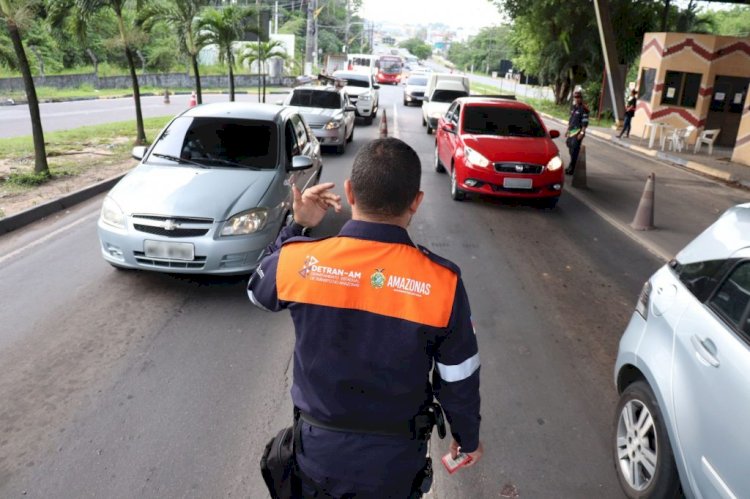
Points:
(362, 91)
(439, 100)
(683, 372)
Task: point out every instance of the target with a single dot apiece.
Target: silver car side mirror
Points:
(301, 163)
(139, 152)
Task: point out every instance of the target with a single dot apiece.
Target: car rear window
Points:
(213, 141)
(316, 98)
(502, 121)
(354, 81)
(447, 95)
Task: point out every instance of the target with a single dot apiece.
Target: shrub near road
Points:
(77, 158)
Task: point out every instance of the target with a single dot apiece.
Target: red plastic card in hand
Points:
(452, 465)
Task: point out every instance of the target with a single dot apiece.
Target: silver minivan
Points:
(683, 372)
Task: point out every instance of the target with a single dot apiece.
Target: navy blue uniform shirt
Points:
(368, 334)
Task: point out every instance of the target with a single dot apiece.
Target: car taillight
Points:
(643, 299)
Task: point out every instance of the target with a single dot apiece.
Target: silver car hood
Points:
(180, 191)
(319, 116)
(435, 107)
(357, 91)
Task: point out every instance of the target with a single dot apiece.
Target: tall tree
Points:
(182, 17)
(261, 52)
(15, 16)
(222, 28)
(131, 36)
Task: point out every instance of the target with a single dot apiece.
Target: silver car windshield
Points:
(315, 98)
(219, 142)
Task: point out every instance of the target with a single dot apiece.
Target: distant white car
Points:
(683, 372)
(363, 93)
(414, 89)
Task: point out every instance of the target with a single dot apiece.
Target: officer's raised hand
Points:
(311, 206)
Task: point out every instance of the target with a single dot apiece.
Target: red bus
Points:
(389, 69)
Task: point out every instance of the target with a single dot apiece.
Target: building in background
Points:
(700, 80)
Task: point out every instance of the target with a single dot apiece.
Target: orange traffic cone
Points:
(193, 100)
(383, 125)
(644, 216)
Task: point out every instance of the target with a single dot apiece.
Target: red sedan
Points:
(498, 147)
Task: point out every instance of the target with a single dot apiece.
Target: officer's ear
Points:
(349, 192)
(417, 201)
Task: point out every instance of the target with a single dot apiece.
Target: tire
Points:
(406, 103)
(341, 148)
(629, 443)
(438, 165)
(351, 136)
(368, 120)
(456, 193)
(424, 122)
(429, 130)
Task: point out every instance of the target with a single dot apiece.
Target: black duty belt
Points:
(419, 427)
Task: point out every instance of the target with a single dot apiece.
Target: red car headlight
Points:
(555, 164)
(474, 158)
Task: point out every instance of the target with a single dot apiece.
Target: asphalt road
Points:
(135, 384)
(15, 120)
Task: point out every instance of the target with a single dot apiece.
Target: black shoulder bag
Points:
(278, 464)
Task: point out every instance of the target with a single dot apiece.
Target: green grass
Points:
(561, 112)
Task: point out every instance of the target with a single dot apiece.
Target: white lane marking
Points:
(47, 237)
(395, 122)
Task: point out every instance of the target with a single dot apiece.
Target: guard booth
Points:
(700, 80)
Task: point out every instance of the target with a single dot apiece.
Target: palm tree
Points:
(260, 53)
(14, 16)
(181, 16)
(130, 37)
(222, 28)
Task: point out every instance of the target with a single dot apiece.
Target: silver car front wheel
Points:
(643, 456)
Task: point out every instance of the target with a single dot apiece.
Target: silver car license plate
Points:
(167, 250)
(518, 183)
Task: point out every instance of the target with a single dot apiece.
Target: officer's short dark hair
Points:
(385, 177)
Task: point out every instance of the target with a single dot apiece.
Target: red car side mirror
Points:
(449, 127)
(554, 134)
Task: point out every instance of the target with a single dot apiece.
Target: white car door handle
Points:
(706, 350)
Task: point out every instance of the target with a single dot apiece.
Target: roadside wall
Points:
(165, 80)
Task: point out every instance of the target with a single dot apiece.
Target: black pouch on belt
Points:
(278, 464)
(423, 481)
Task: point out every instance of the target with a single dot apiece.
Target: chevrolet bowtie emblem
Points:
(170, 224)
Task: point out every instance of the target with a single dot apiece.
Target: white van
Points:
(442, 89)
(362, 63)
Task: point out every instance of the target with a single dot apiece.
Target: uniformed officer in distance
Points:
(372, 311)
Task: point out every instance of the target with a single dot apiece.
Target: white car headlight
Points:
(475, 158)
(112, 214)
(436, 114)
(555, 164)
(333, 125)
(246, 222)
(365, 97)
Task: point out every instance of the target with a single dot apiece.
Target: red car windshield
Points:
(502, 121)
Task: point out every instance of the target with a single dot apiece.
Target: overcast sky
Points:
(455, 13)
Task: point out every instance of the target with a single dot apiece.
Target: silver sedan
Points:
(211, 192)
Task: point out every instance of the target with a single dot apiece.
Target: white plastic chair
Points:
(679, 137)
(707, 137)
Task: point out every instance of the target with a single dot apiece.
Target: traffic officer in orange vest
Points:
(383, 327)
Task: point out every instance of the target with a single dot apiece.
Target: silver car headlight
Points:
(333, 125)
(436, 114)
(246, 222)
(112, 214)
(365, 97)
(555, 164)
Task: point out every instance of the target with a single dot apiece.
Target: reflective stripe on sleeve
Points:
(255, 301)
(459, 371)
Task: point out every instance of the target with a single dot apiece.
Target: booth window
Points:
(648, 75)
(681, 89)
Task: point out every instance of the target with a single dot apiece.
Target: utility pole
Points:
(309, 38)
(315, 30)
(615, 80)
(346, 29)
(276, 17)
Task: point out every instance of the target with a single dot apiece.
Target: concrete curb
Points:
(26, 217)
(54, 100)
(687, 164)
